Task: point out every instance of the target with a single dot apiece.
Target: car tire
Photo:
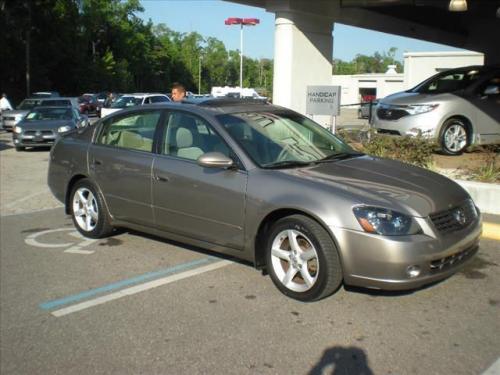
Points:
(20, 148)
(454, 137)
(88, 210)
(302, 259)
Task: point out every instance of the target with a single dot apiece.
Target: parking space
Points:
(134, 303)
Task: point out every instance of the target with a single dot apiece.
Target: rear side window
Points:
(159, 99)
(133, 132)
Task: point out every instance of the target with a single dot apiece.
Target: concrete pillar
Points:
(302, 56)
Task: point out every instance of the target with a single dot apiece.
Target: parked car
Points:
(88, 104)
(131, 100)
(457, 108)
(270, 186)
(364, 109)
(42, 126)
(12, 118)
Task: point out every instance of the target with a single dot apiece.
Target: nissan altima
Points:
(267, 185)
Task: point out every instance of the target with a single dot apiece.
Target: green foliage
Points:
(79, 46)
(377, 63)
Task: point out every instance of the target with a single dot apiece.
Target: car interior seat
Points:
(184, 143)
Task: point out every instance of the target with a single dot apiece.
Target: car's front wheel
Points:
(88, 211)
(454, 137)
(302, 259)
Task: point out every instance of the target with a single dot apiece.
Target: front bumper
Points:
(427, 124)
(36, 140)
(383, 262)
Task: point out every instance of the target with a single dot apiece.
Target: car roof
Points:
(213, 106)
(142, 95)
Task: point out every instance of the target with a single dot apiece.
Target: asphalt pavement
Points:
(137, 304)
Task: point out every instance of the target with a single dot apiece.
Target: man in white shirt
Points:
(5, 104)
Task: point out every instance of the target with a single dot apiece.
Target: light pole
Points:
(242, 22)
(200, 57)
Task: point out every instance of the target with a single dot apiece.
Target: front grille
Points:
(455, 219)
(443, 264)
(387, 131)
(41, 132)
(391, 114)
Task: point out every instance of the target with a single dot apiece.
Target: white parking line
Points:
(494, 369)
(139, 288)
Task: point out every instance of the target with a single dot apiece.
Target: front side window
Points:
(448, 82)
(134, 132)
(188, 137)
(282, 138)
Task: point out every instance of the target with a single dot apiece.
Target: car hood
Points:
(15, 112)
(387, 183)
(45, 124)
(405, 98)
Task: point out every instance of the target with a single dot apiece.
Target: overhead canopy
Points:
(476, 29)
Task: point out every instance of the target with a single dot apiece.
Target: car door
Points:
(120, 162)
(207, 204)
(486, 99)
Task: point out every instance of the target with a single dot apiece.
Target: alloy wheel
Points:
(295, 260)
(85, 209)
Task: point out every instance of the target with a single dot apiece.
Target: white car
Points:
(130, 100)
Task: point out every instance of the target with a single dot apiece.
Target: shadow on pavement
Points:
(342, 360)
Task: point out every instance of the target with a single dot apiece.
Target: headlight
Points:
(417, 109)
(18, 129)
(385, 222)
(63, 129)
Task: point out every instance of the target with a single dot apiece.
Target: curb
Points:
(486, 196)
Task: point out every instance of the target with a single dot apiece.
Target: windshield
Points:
(126, 101)
(448, 82)
(28, 104)
(283, 138)
(49, 114)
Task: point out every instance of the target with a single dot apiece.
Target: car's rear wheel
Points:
(88, 210)
(454, 137)
(302, 259)
(20, 148)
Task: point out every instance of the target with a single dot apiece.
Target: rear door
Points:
(203, 203)
(120, 162)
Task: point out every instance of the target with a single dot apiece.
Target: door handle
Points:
(96, 162)
(160, 178)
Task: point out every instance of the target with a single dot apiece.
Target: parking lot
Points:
(137, 304)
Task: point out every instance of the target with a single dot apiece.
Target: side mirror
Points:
(492, 90)
(215, 160)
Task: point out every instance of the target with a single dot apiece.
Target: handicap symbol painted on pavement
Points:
(74, 247)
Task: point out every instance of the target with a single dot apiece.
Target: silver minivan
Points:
(457, 108)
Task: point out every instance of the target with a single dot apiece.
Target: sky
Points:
(207, 18)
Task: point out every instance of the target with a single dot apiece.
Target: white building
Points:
(418, 66)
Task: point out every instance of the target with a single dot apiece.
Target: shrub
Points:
(412, 150)
(489, 171)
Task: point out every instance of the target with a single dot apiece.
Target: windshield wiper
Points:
(340, 156)
(289, 164)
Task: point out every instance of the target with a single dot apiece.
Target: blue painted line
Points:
(127, 282)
